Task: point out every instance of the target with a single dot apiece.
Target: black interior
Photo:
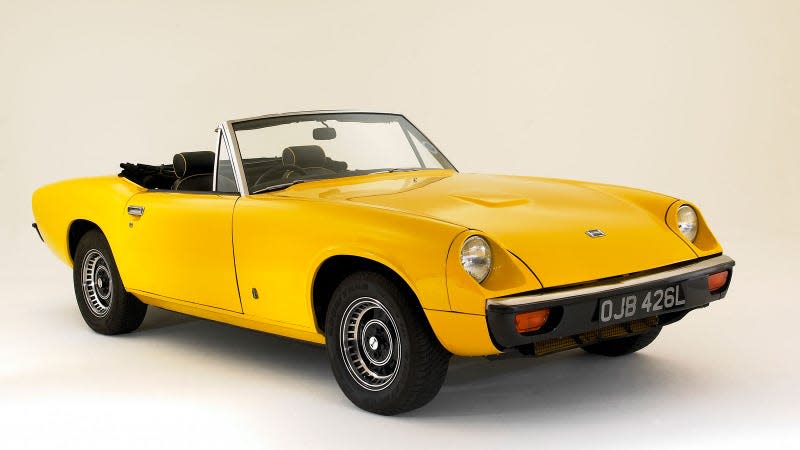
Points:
(194, 171)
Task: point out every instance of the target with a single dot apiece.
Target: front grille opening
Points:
(554, 345)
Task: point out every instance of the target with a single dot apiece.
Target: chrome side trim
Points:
(630, 282)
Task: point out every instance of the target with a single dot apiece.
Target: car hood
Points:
(541, 221)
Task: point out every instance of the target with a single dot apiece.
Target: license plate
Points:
(630, 306)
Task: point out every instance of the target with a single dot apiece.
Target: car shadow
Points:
(158, 318)
(249, 349)
(554, 389)
(550, 390)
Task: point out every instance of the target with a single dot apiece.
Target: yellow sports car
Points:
(351, 229)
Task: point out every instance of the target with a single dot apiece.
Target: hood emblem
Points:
(595, 233)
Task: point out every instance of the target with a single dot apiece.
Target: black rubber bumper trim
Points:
(578, 314)
(36, 227)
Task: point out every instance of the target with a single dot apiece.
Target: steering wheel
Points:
(284, 168)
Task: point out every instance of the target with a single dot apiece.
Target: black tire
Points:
(104, 304)
(624, 346)
(405, 365)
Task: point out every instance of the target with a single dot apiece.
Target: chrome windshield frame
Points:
(235, 153)
(226, 132)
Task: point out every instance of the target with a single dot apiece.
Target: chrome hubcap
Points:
(370, 344)
(97, 283)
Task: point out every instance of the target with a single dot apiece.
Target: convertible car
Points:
(351, 229)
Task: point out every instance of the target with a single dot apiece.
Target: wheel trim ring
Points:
(352, 353)
(97, 298)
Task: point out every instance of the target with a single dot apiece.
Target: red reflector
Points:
(531, 321)
(717, 280)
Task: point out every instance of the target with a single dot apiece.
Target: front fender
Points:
(509, 275)
(393, 263)
(280, 243)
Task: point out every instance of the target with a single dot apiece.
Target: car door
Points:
(273, 259)
(180, 246)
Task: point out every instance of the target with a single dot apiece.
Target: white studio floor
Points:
(726, 376)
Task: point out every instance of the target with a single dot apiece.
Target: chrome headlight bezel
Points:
(476, 257)
(688, 222)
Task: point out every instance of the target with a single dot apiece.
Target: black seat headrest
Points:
(187, 164)
(304, 156)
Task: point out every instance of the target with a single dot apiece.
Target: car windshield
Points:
(284, 150)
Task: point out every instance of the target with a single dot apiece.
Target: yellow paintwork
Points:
(542, 221)
(462, 334)
(184, 243)
(508, 276)
(280, 242)
(100, 200)
(705, 244)
(204, 253)
(220, 315)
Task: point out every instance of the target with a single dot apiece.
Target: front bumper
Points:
(36, 227)
(574, 312)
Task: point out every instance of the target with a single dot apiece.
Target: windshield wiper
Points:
(396, 169)
(278, 187)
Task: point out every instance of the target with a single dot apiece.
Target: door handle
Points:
(136, 210)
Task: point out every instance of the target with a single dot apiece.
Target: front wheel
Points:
(104, 304)
(382, 351)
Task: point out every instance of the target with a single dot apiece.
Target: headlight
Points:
(476, 258)
(687, 222)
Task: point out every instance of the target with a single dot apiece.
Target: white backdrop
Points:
(696, 99)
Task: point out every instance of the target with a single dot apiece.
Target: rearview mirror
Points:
(324, 134)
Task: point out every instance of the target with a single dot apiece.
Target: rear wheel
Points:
(382, 351)
(624, 346)
(104, 304)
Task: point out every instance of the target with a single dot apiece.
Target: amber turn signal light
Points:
(716, 281)
(531, 321)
